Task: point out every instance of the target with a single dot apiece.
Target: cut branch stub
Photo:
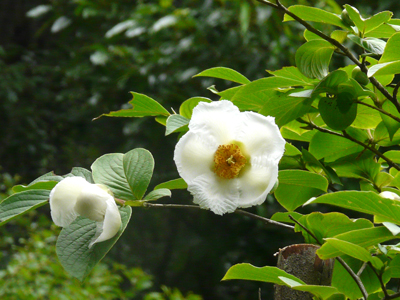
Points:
(302, 261)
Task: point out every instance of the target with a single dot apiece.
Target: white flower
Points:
(74, 196)
(389, 195)
(229, 159)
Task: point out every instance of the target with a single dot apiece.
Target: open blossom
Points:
(228, 158)
(74, 196)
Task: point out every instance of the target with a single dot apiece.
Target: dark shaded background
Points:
(50, 90)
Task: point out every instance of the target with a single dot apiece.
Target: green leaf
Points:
(355, 17)
(293, 74)
(373, 45)
(391, 125)
(186, 108)
(391, 52)
(224, 73)
(357, 166)
(48, 177)
(175, 184)
(333, 115)
(291, 150)
(314, 14)
(366, 237)
(313, 58)
(264, 274)
(20, 203)
(296, 187)
(395, 267)
(329, 225)
(157, 194)
(388, 68)
(142, 106)
(73, 245)
(176, 123)
(82, 172)
(284, 217)
(315, 165)
(331, 147)
(339, 35)
(377, 20)
(330, 83)
(127, 175)
(41, 185)
(365, 202)
(394, 155)
(367, 118)
(353, 250)
(320, 291)
(285, 108)
(254, 95)
(346, 284)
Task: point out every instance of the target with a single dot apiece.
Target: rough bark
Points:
(301, 261)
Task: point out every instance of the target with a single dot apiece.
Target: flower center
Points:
(228, 161)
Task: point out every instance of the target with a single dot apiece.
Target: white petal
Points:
(211, 192)
(389, 195)
(111, 224)
(261, 137)
(215, 121)
(63, 198)
(91, 203)
(193, 156)
(256, 183)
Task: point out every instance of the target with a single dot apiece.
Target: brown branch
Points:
(338, 45)
(238, 211)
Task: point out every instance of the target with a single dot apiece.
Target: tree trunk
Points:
(301, 261)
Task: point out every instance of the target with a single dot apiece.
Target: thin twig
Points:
(335, 43)
(339, 259)
(364, 265)
(396, 89)
(349, 137)
(380, 110)
(238, 211)
(383, 286)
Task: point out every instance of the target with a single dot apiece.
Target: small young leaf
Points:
(332, 114)
(186, 108)
(224, 73)
(73, 245)
(373, 45)
(313, 58)
(142, 106)
(157, 194)
(20, 203)
(175, 184)
(176, 123)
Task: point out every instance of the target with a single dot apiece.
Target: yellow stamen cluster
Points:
(228, 161)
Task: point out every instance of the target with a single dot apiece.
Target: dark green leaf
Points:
(73, 245)
(20, 203)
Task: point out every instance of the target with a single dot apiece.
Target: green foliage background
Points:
(52, 86)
